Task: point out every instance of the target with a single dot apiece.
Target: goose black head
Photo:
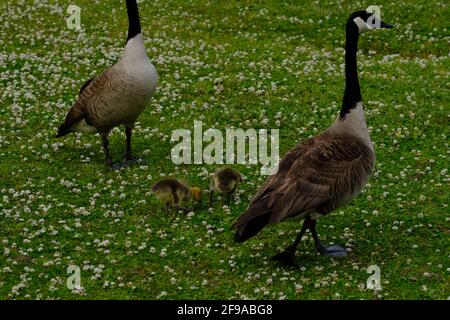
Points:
(364, 21)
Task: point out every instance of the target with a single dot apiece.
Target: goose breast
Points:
(119, 95)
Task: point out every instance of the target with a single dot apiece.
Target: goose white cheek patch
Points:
(362, 25)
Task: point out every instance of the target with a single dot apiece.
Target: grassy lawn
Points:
(242, 64)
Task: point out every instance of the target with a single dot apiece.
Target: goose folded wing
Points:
(85, 85)
(77, 112)
(309, 177)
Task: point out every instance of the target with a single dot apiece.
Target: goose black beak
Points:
(385, 25)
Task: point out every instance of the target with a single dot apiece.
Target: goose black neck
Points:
(134, 25)
(352, 94)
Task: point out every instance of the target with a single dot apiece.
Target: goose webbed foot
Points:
(117, 166)
(286, 257)
(127, 161)
(130, 159)
(332, 251)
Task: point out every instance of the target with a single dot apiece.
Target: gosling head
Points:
(196, 194)
(364, 21)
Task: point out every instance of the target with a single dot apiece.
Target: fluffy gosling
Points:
(226, 181)
(172, 192)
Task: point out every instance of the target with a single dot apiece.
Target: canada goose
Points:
(172, 192)
(323, 172)
(118, 95)
(224, 180)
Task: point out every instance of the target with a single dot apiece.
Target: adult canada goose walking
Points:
(117, 96)
(323, 172)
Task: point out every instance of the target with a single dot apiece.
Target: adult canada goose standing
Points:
(117, 96)
(323, 172)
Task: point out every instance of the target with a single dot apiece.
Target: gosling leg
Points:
(229, 198)
(211, 193)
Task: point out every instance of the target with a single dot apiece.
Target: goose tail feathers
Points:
(251, 222)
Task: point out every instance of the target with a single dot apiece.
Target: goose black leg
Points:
(105, 144)
(288, 255)
(129, 158)
(128, 155)
(331, 251)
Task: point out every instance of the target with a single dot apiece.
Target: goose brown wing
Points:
(84, 86)
(90, 92)
(295, 155)
(76, 113)
(313, 174)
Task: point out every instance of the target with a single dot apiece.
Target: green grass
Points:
(400, 222)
